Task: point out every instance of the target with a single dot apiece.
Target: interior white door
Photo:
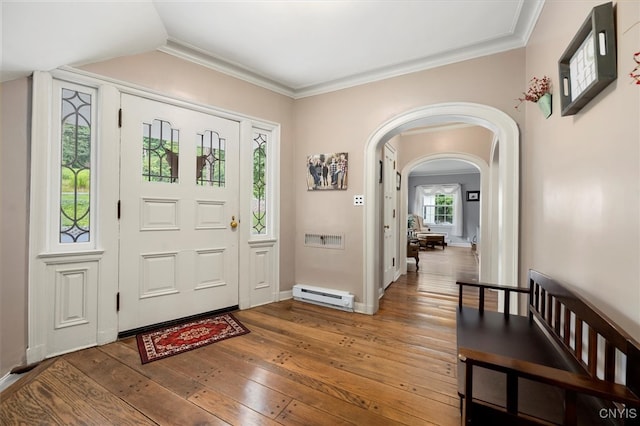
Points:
(179, 172)
(390, 197)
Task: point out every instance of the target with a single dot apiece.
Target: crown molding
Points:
(516, 38)
(200, 57)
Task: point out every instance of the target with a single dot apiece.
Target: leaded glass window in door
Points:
(160, 152)
(210, 159)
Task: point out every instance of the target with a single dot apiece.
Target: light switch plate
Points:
(358, 200)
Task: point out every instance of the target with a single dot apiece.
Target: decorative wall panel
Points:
(262, 282)
(70, 297)
(72, 292)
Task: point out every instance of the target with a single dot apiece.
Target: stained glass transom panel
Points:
(160, 152)
(75, 167)
(259, 201)
(210, 159)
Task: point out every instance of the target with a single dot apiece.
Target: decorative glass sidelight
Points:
(75, 167)
(160, 143)
(210, 159)
(259, 201)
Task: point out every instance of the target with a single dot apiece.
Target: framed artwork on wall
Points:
(327, 171)
(473, 195)
(588, 65)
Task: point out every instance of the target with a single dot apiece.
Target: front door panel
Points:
(179, 196)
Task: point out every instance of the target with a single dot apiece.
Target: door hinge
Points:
(393, 262)
(118, 209)
(118, 302)
(394, 213)
(394, 164)
(120, 118)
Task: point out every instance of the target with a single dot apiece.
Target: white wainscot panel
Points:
(210, 215)
(158, 272)
(262, 285)
(158, 214)
(71, 293)
(72, 289)
(210, 268)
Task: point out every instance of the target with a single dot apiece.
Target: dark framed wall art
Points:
(473, 195)
(588, 65)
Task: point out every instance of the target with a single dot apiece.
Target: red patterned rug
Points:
(168, 341)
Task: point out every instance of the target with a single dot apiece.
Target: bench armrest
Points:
(576, 383)
(472, 282)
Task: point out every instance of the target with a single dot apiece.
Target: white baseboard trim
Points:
(285, 295)
(467, 245)
(8, 380)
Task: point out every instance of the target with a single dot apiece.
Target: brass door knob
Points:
(233, 223)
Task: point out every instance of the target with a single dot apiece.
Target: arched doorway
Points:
(485, 225)
(504, 187)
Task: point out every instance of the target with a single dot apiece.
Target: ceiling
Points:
(298, 48)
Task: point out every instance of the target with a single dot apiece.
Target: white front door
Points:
(179, 173)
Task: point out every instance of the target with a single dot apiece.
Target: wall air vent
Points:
(330, 241)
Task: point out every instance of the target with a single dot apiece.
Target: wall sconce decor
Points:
(588, 65)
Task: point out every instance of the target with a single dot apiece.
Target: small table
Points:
(431, 240)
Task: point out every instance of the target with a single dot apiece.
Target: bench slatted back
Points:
(566, 316)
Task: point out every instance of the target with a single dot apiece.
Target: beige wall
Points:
(580, 174)
(14, 193)
(344, 120)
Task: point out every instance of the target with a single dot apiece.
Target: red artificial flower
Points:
(538, 87)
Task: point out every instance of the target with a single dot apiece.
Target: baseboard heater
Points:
(323, 296)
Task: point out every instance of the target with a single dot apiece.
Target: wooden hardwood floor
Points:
(301, 365)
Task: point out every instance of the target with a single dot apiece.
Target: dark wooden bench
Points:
(563, 363)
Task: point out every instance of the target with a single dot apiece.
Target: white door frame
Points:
(508, 139)
(259, 254)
